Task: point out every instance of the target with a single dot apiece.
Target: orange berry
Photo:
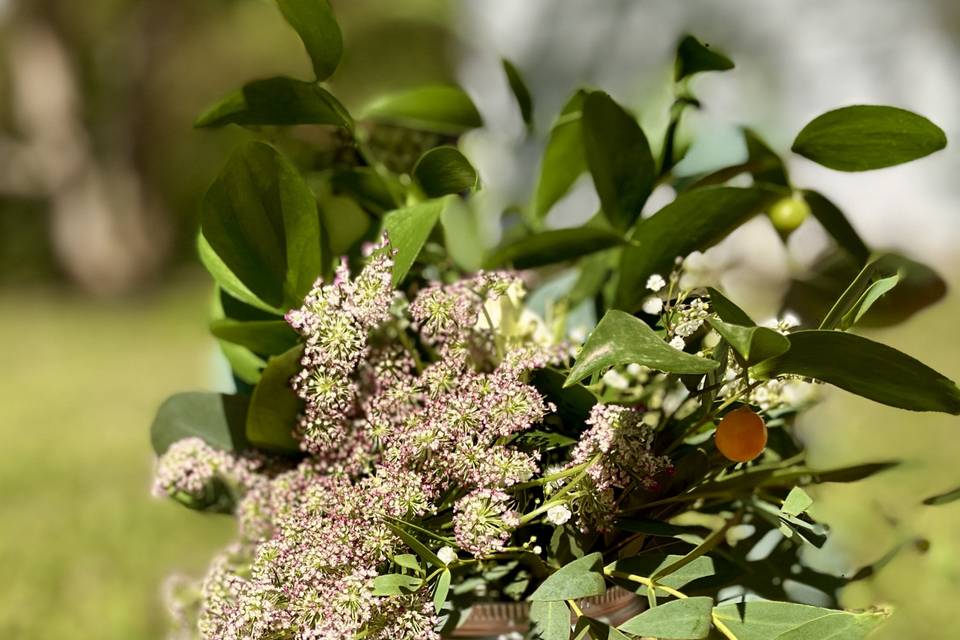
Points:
(741, 435)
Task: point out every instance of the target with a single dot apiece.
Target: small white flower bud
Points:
(653, 305)
(447, 555)
(678, 343)
(656, 282)
(558, 515)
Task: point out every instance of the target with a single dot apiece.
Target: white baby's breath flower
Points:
(447, 555)
(653, 305)
(678, 343)
(656, 282)
(614, 380)
(558, 515)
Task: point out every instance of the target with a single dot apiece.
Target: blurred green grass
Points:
(84, 549)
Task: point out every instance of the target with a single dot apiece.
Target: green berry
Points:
(787, 214)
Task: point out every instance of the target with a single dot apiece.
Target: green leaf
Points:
(597, 630)
(836, 626)
(765, 619)
(520, 91)
(862, 293)
(395, 584)
(619, 159)
(277, 101)
(836, 224)
(943, 498)
(650, 564)
(440, 108)
(797, 502)
(314, 21)
(582, 578)
(462, 234)
(728, 310)
(226, 279)
(866, 368)
(244, 364)
(754, 344)
(274, 406)
(421, 549)
(684, 619)
(408, 561)
(344, 221)
(269, 337)
(260, 218)
(563, 159)
(762, 162)
(865, 137)
(694, 221)
(620, 338)
(870, 296)
(216, 418)
(408, 230)
(550, 620)
(441, 590)
(444, 170)
(693, 57)
(557, 245)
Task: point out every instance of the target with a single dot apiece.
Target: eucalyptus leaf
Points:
(550, 620)
(268, 337)
(766, 620)
(836, 626)
(865, 137)
(317, 27)
(408, 561)
(396, 584)
(277, 101)
(520, 91)
(650, 564)
(753, 344)
(217, 419)
(441, 590)
(443, 109)
(563, 159)
(557, 245)
(444, 170)
(797, 502)
(694, 57)
(408, 230)
(596, 630)
(619, 338)
(582, 578)
(683, 619)
(274, 406)
(619, 158)
(694, 221)
(866, 368)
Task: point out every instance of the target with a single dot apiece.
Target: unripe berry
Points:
(787, 214)
(741, 435)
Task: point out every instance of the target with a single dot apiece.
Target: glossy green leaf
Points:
(728, 310)
(754, 344)
(836, 224)
(314, 21)
(268, 337)
(619, 158)
(408, 561)
(550, 620)
(619, 338)
(943, 498)
(694, 56)
(651, 564)
(408, 230)
(216, 418)
(274, 407)
(244, 364)
(557, 245)
(440, 108)
(797, 502)
(227, 280)
(277, 101)
(863, 292)
(762, 162)
(865, 137)
(260, 218)
(836, 626)
(582, 578)
(462, 234)
(768, 620)
(421, 549)
(684, 619)
(395, 584)
(444, 170)
(344, 221)
(520, 91)
(563, 158)
(866, 368)
(694, 221)
(441, 590)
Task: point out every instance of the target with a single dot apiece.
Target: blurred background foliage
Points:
(104, 305)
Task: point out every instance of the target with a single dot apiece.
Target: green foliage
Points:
(653, 564)
(274, 406)
(277, 101)
(865, 137)
(316, 25)
(862, 293)
(685, 619)
(268, 337)
(218, 419)
(582, 578)
(763, 620)
(444, 170)
(440, 108)
(408, 230)
(520, 91)
(694, 57)
(563, 159)
(753, 344)
(836, 224)
(550, 620)
(558, 245)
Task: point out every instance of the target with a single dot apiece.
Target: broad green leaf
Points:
(462, 234)
(314, 21)
(520, 91)
(693, 57)
(866, 368)
(274, 406)
(766, 620)
(268, 337)
(619, 338)
(216, 418)
(762, 162)
(836, 626)
(728, 310)
(366, 187)
(582, 578)
(260, 218)
(650, 564)
(944, 498)
(596, 630)
(408, 561)
(408, 230)
(550, 620)
(684, 619)
(421, 549)
(439, 108)
(754, 344)
(277, 101)
(226, 279)
(441, 590)
(444, 170)
(694, 221)
(836, 224)
(245, 364)
(797, 502)
(563, 159)
(618, 156)
(344, 221)
(656, 528)
(865, 137)
(862, 293)
(395, 584)
(557, 245)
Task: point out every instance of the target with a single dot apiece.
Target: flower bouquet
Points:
(420, 446)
